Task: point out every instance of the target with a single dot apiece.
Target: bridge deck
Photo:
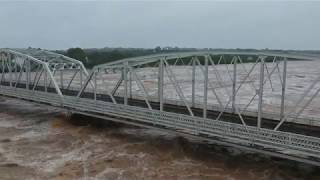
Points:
(293, 127)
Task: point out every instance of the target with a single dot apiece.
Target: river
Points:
(40, 142)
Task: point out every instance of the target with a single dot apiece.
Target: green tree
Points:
(79, 54)
(157, 49)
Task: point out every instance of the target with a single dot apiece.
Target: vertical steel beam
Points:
(246, 71)
(28, 72)
(125, 80)
(53, 80)
(160, 84)
(3, 77)
(16, 70)
(130, 84)
(95, 85)
(2, 71)
(212, 87)
(81, 78)
(261, 83)
(257, 92)
(9, 68)
(61, 78)
(240, 85)
(205, 93)
(193, 81)
(45, 81)
(234, 84)
(4, 60)
(283, 88)
(20, 73)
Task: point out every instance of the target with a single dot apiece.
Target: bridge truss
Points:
(256, 101)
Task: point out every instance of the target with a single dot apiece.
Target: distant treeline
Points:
(92, 57)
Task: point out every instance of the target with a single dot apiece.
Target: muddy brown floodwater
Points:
(39, 142)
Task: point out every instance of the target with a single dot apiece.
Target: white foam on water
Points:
(32, 134)
(109, 170)
(7, 121)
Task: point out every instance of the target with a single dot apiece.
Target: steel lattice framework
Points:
(244, 99)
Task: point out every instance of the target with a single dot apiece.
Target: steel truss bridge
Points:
(254, 101)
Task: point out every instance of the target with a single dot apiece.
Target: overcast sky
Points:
(59, 25)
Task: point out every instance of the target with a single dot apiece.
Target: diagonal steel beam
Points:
(114, 90)
(141, 87)
(256, 93)
(38, 79)
(176, 86)
(209, 83)
(72, 78)
(20, 73)
(298, 102)
(84, 86)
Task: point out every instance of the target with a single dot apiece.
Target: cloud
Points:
(58, 25)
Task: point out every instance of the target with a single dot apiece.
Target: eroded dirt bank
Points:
(39, 142)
